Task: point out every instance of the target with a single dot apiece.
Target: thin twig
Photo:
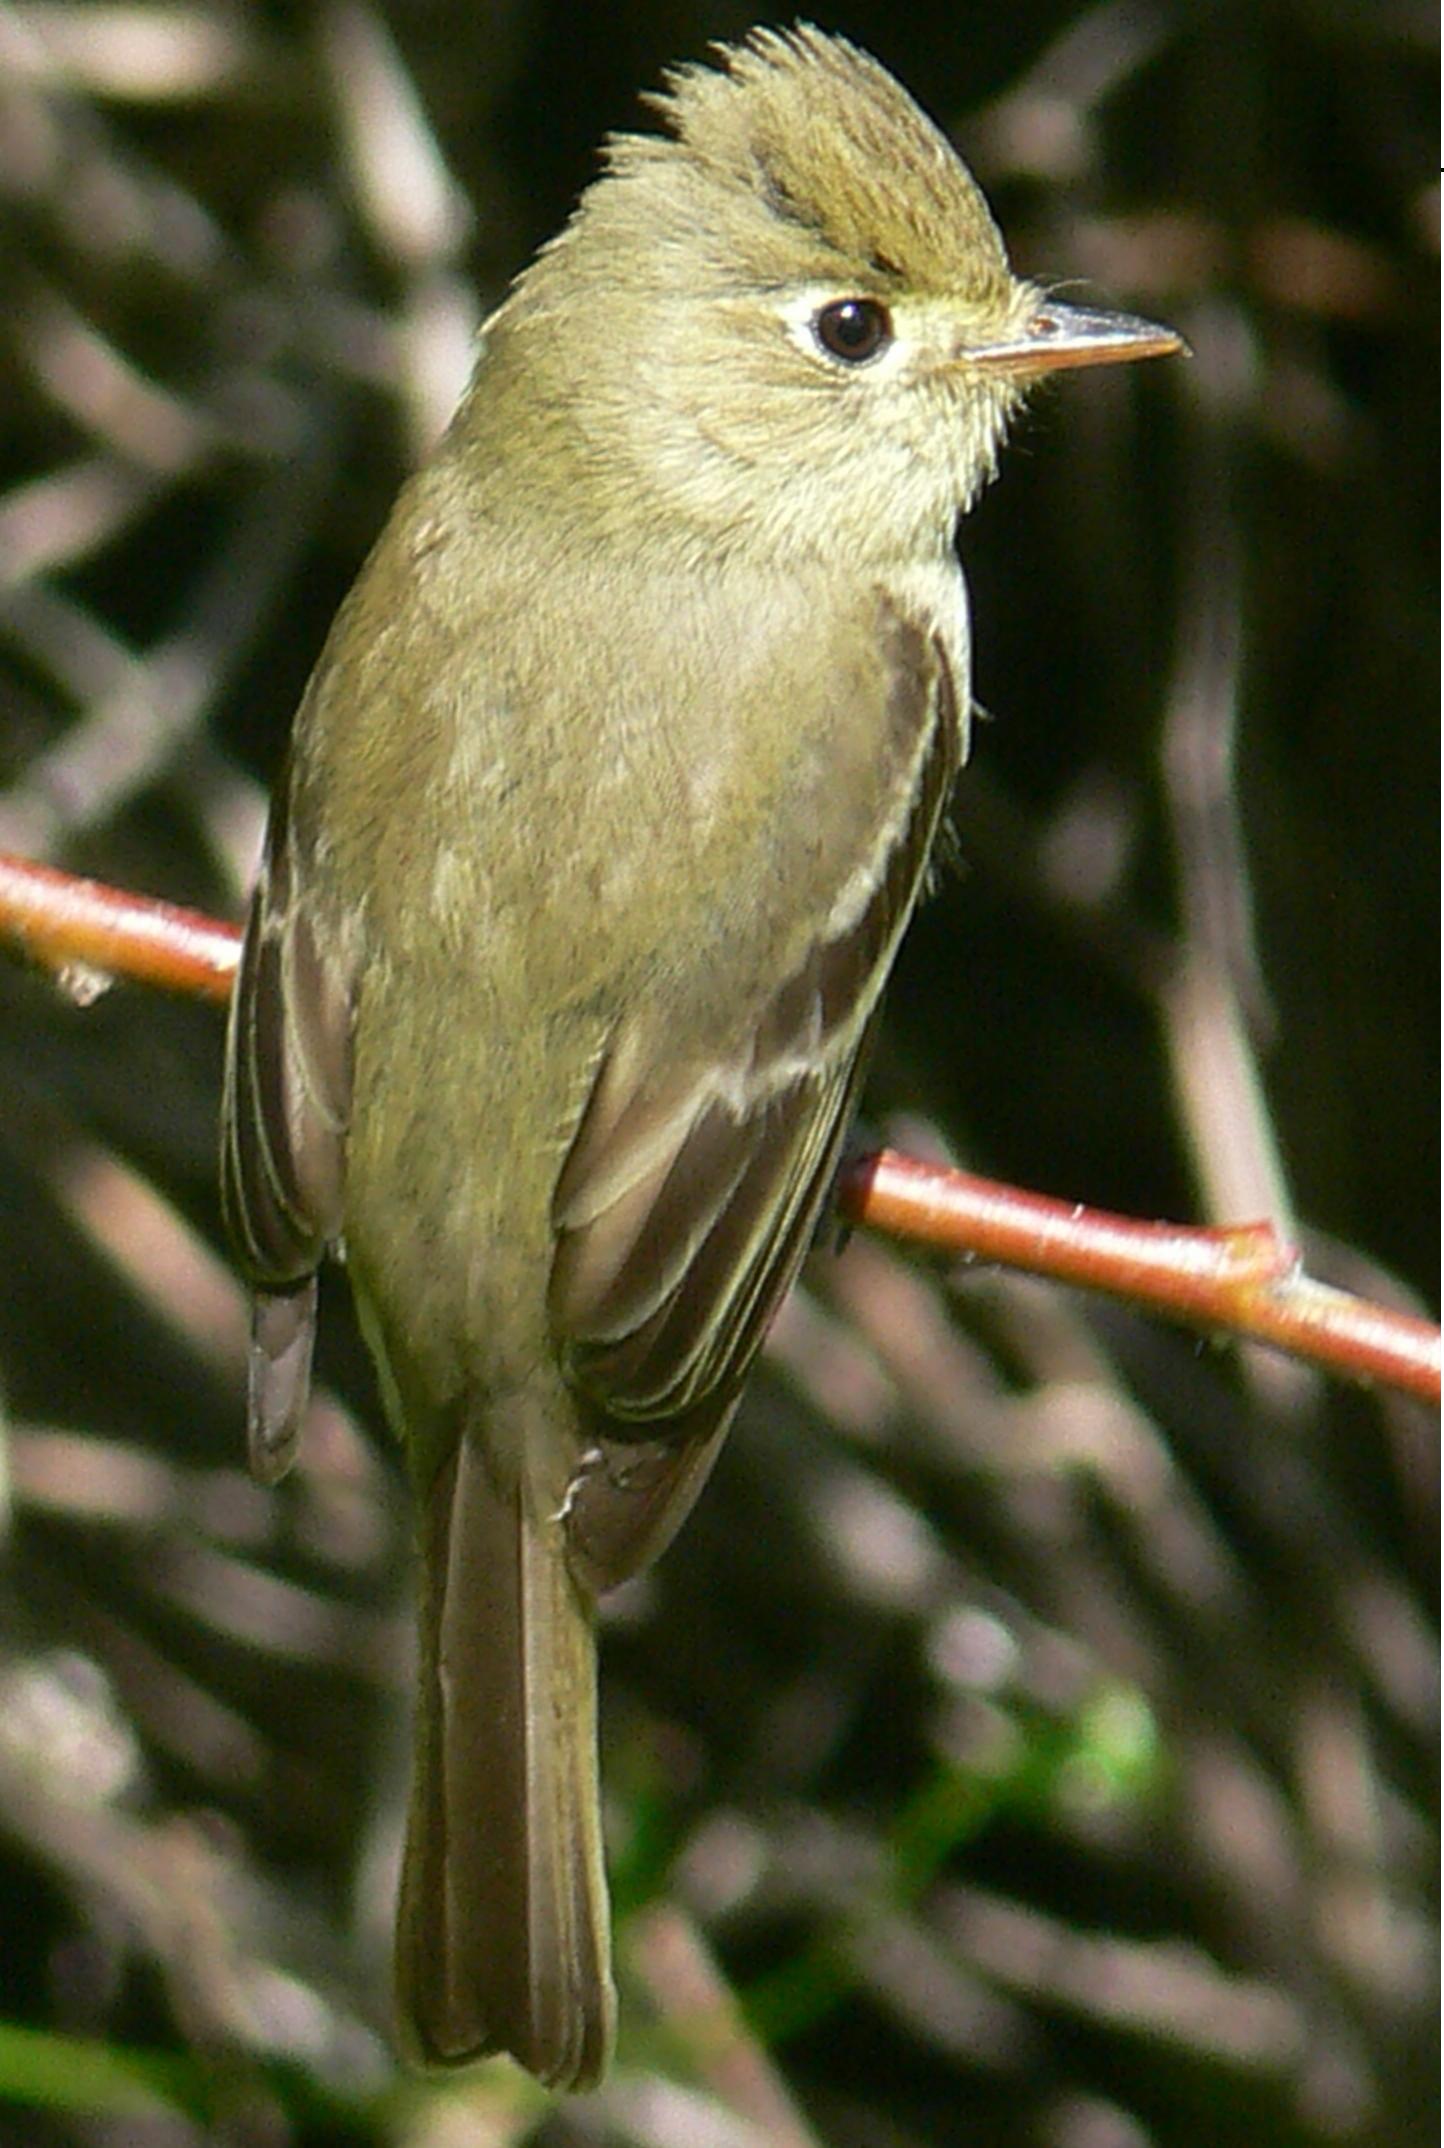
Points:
(1243, 1280)
(68, 924)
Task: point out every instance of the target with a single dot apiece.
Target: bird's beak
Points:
(1057, 336)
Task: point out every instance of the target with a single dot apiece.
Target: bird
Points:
(607, 804)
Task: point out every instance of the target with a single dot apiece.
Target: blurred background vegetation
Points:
(1030, 1739)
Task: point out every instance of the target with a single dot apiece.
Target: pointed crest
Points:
(837, 148)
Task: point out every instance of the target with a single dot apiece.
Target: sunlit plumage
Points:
(608, 803)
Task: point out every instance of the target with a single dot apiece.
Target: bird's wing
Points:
(690, 1194)
(284, 1117)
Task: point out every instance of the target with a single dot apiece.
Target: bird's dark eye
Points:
(853, 329)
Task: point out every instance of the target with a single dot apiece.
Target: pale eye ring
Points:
(852, 330)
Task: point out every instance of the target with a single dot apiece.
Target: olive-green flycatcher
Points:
(607, 805)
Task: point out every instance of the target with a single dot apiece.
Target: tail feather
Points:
(502, 1940)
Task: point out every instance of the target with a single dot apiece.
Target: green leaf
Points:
(74, 2073)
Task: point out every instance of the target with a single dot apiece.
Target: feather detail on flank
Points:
(689, 1194)
(688, 1199)
(284, 1118)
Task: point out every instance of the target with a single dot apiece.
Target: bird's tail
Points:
(502, 1936)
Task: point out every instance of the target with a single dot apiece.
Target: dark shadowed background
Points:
(1033, 1730)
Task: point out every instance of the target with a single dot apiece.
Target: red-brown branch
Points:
(1242, 1281)
(65, 923)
